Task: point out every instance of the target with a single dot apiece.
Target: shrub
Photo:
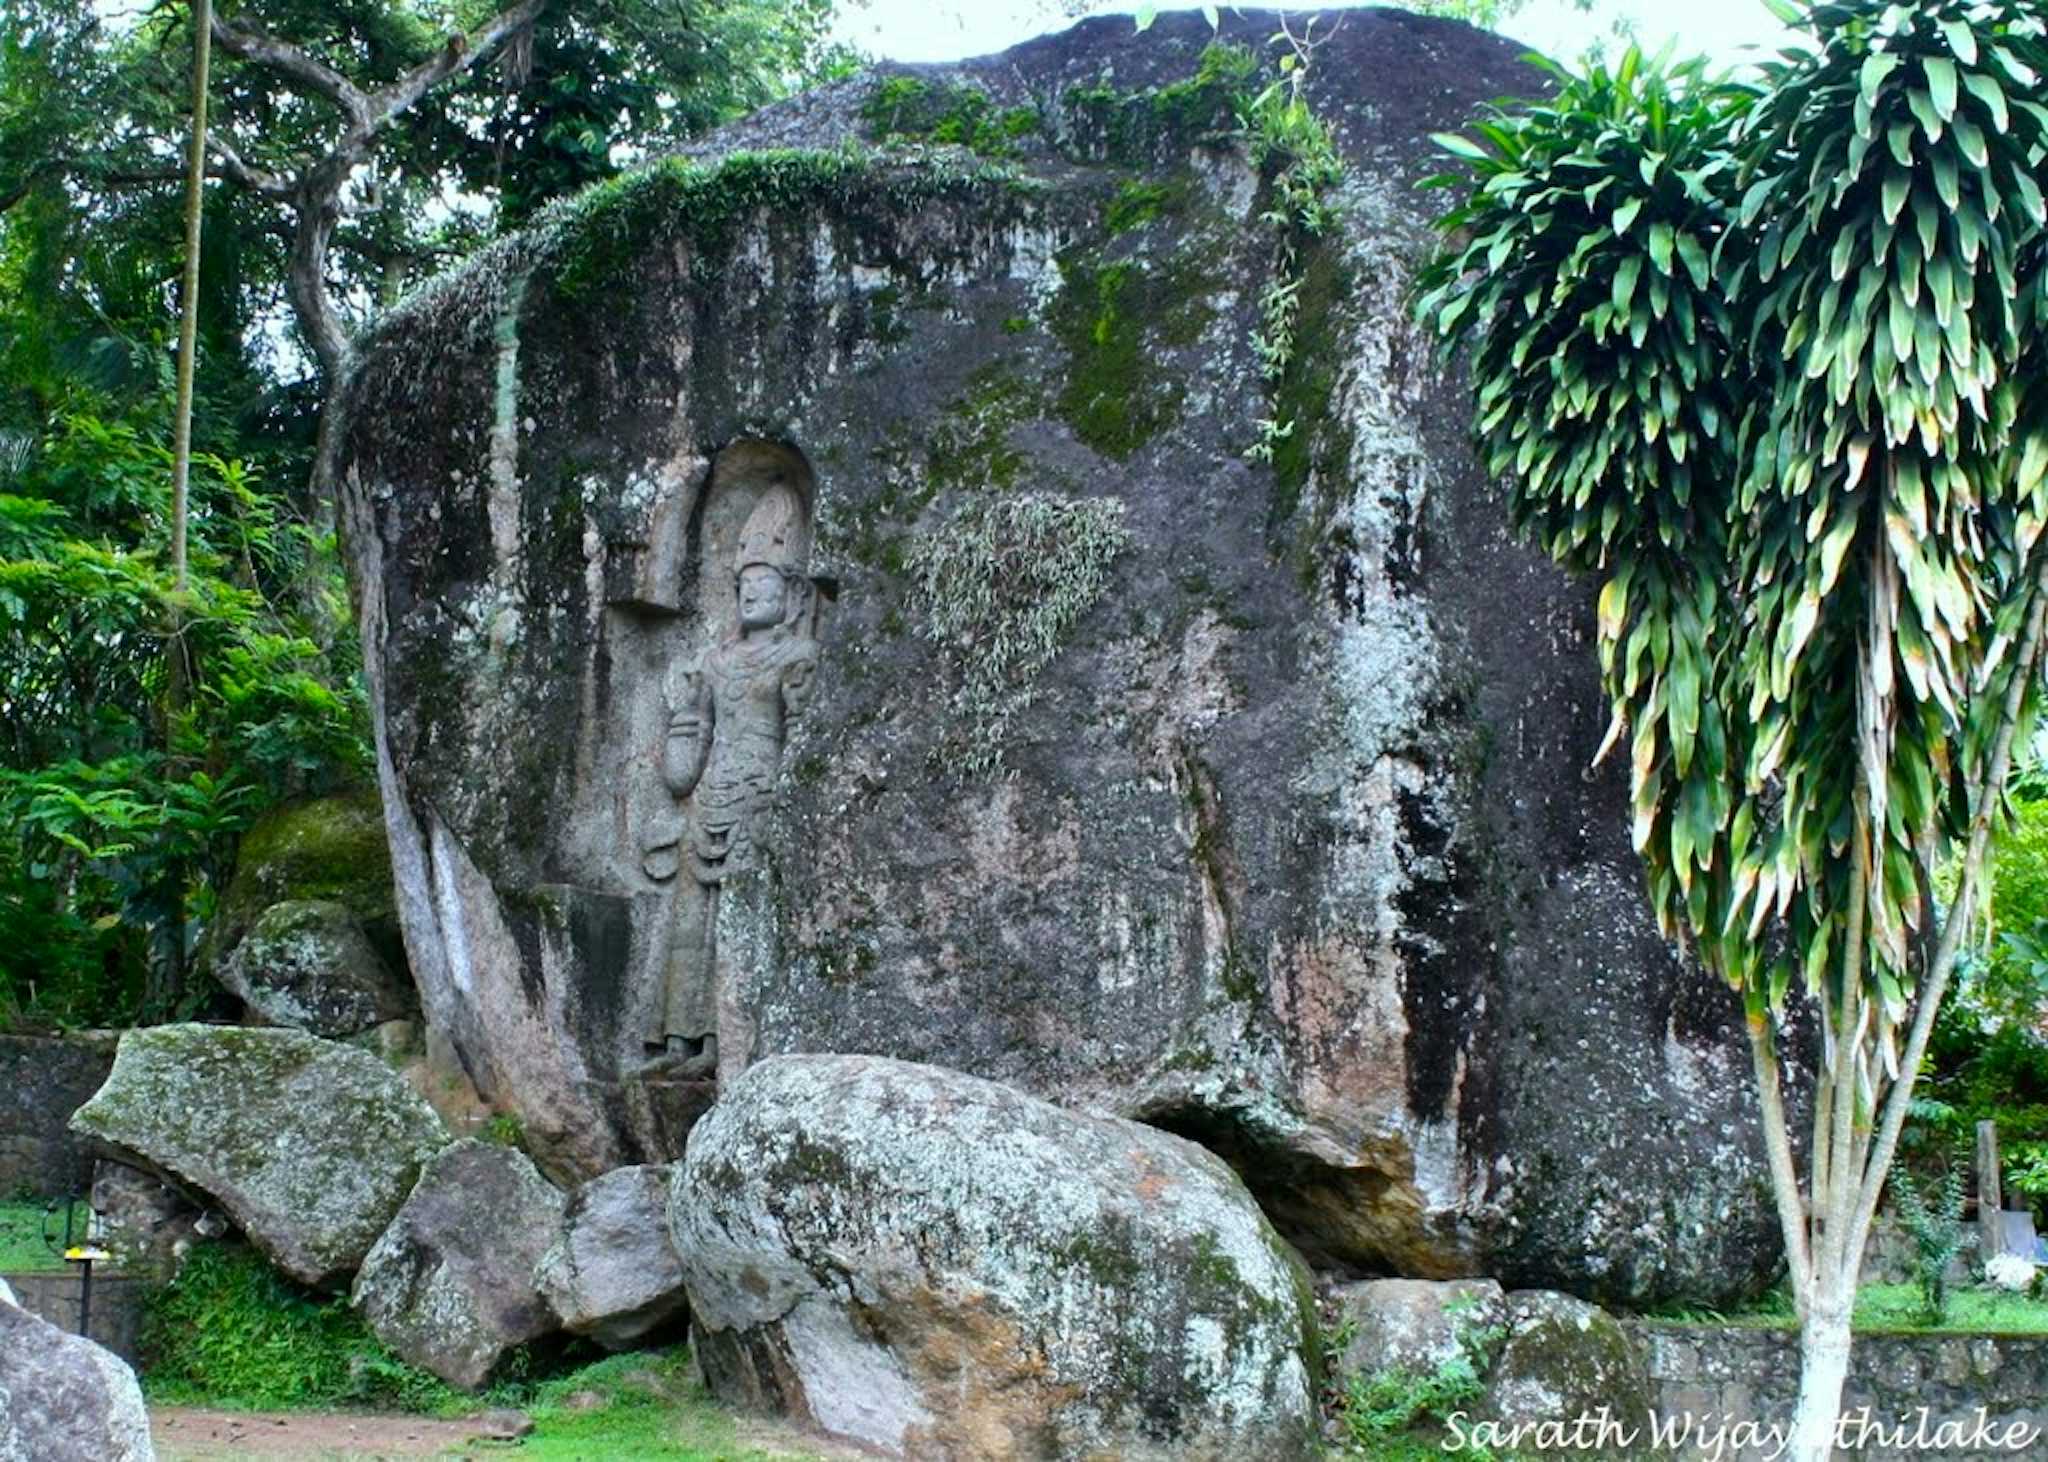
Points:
(231, 1330)
(1937, 1232)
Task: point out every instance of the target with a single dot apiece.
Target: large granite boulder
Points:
(1062, 742)
(328, 850)
(450, 1284)
(612, 1272)
(938, 1266)
(310, 964)
(308, 1146)
(63, 1398)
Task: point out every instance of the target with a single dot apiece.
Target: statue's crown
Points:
(774, 534)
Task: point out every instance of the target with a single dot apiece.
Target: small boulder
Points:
(500, 1424)
(612, 1273)
(450, 1284)
(63, 1398)
(332, 849)
(144, 1222)
(938, 1266)
(1564, 1359)
(309, 964)
(308, 1146)
(1415, 1325)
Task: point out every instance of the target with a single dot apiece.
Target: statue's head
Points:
(770, 583)
(764, 596)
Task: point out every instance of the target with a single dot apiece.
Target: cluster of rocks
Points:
(457, 1251)
(307, 934)
(902, 1255)
(1534, 1356)
(913, 1259)
(1293, 848)
(1292, 856)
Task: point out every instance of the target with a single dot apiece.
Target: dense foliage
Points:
(142, 730)
(120, 797)
(230, 1330)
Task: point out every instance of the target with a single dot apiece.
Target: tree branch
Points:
(258, 180)
(459, 55)
(314, 189)
(301, 66)
(41, 172)
(1792, 1219)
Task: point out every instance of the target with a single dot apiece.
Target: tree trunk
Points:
(167, 982)
(188, 305)
(1823, 1364)
(318, 205)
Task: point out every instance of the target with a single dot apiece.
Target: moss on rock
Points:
(1114, 318)
(909, 108)
(594, 240)
(1143, 128)
(330, 849)
(308, 1146)
(1565, 1358)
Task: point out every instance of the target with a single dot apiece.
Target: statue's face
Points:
(764, 598)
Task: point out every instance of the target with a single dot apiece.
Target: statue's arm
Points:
(688, 742)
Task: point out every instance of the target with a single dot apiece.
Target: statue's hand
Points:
(662, 861)
(683, 688)
(798, 679)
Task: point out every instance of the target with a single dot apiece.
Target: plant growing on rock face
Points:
(1000, 587)
(1767, 361)
(1291, 146)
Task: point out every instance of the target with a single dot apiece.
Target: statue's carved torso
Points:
(746, 694)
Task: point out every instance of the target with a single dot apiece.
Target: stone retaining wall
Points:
(43, 1080)
(1723, 1376)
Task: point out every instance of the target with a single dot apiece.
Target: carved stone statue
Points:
(728, 718)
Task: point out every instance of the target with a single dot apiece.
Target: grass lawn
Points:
(1894, 1309)
(640, 1406)
(22, 1249)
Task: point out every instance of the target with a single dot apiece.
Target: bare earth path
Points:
(196, 1434)
(187, 1434)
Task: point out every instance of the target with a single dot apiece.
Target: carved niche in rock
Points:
(726, 713)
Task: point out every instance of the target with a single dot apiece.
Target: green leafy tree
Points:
(1766, 362)
(405, 148)
(120, 805)
(375, 139)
